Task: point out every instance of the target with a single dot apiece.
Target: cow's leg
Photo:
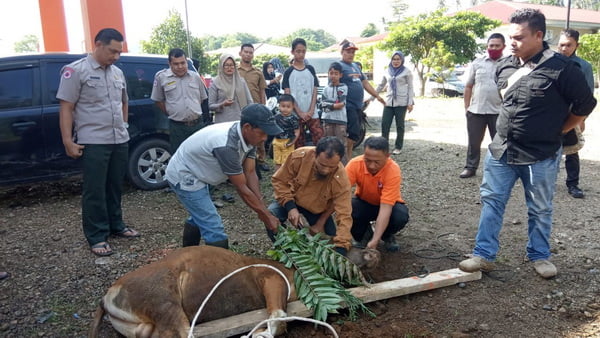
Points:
(275, 290)
(171, 321)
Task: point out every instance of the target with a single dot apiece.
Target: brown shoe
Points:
(476, 263)
(467, 173)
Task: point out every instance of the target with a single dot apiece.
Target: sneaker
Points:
(391, 245)
(575, 191)
(476, 263)
(396, 151)
(545, 268)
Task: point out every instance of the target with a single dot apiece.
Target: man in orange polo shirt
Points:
(377, 198)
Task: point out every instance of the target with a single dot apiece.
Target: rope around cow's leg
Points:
(267, 334)
(191, 332)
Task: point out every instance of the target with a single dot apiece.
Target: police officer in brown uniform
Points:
(179, 93)
(93, 124)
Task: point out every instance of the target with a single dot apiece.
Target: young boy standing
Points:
(333, 105)
(283, 144)
(300, 80)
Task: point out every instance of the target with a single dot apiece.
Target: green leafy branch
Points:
(321, 273)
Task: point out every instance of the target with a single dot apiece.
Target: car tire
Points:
(148, 164)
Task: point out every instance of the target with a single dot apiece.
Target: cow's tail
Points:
(93, 333)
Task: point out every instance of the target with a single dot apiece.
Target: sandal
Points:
(127, 233)
(102, 245)
(228, 198)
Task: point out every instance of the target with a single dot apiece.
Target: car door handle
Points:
(22, 126)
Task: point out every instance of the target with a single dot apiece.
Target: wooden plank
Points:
(245, 322)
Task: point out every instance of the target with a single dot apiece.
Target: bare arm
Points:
(467, 95)
(381, 223)
(313, 102)
(572, 121)
(250, 194)
(162, 107)
(372, 91)
(72, 149)
(319, 226)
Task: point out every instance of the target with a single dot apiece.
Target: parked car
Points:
(445, 85)
(31, 147)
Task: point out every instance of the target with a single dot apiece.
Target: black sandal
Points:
(123, 233)
(101, 245)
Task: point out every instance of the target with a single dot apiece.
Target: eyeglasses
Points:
(228, 65)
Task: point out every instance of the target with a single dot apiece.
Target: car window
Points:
(140, 77)
(53, 80)
(16, 88)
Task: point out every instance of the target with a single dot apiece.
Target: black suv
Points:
(31, 147)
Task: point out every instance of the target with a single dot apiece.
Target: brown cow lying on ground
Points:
(162, 298)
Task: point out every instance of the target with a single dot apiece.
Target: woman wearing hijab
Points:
(399, 98)
(229, 92)
(272, 79)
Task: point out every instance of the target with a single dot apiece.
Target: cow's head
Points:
(364, 258)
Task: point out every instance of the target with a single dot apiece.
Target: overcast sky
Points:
(259, 17)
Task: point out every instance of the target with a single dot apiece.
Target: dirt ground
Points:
(56, 283)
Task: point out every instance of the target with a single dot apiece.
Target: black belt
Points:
(188, 123)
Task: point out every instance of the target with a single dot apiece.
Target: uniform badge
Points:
(68, 72)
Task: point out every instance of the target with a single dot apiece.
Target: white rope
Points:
(267, 334)
(191, 332)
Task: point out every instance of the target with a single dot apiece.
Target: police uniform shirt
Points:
(99, 95)
(183, 96)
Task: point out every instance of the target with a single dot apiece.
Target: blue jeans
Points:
(499, 177)
(203, 213)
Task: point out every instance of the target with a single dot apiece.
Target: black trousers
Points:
(353, 126)
(572, 167)
(476, 124)
(363, 213)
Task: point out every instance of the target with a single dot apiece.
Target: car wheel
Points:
(148, 164)
(437, 92)
(451, 93)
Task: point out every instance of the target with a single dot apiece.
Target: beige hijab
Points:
(231, 85)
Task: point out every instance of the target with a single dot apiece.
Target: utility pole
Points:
(568, 13)
(187, 25)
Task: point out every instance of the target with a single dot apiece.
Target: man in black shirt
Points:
(544, 96)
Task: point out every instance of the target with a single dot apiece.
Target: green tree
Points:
(29, 43)
(589, 50)
(419, 36)
(370, 30)
(171, 33)
(315, 39)
(399, 7)
(365, 56)
(246, 38)
(210, 42)
(441, 62)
